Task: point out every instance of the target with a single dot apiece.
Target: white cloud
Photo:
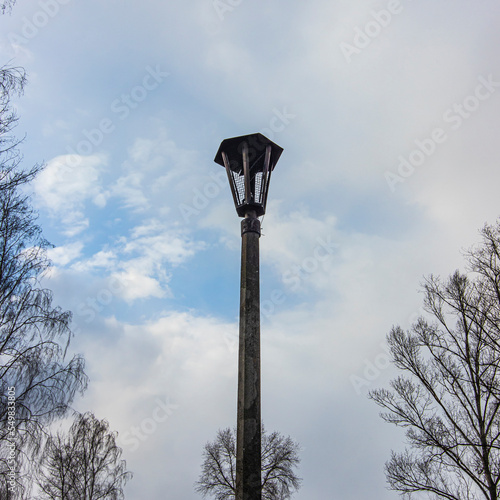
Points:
(137, 284)
(141, 262)
(63, 255)
(104, 259)
(147, 256)
(156, 243)
(179, 357)
(65, 184)
(153, 168)
(131, 190)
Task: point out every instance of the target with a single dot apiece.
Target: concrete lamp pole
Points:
(249, 161)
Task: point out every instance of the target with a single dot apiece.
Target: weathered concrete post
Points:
(249, 161)
(248, 453)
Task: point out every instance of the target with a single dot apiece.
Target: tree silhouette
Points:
(83, 465)
(450, 401)
(34, 335)
(279, 459)
(6, 5)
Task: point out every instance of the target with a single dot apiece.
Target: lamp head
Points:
(249, 161)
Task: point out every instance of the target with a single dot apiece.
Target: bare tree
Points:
(12, 82)
(6, 5)
(279, 459)
(449, 402)
(37, 383)
(84, 465)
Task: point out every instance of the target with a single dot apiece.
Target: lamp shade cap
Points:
(256, 143)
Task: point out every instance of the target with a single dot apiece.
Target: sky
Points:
(388, 113)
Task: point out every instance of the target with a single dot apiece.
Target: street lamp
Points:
(249, 161)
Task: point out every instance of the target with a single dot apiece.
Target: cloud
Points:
(130, 190)
(190, 362)
(137, 284)
(141, 262)
(147, 257)
(155, 243)
(153, 167)
(66, 184)
(63, 255)
(104, 259)
(179, 357)
(331, 312)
